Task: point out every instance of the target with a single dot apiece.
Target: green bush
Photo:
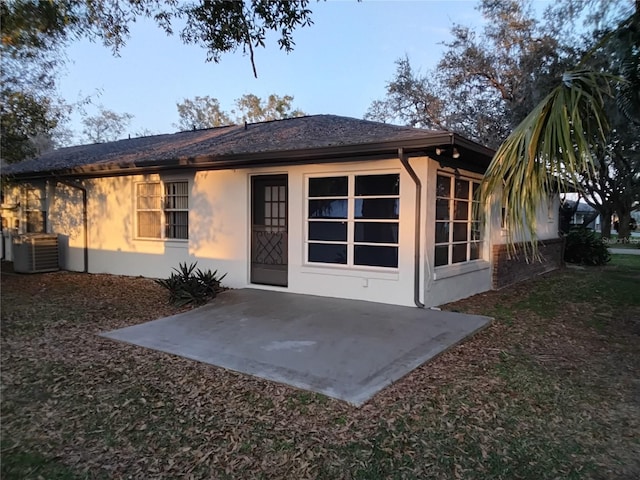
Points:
(584, 247)
(190, 285)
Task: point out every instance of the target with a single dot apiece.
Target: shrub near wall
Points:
(508, 270)
(584, 247)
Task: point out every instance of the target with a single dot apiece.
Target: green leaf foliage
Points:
(22, 117)
(190, 285)
(585, 248)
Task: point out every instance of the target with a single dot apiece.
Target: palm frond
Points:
(548, 151)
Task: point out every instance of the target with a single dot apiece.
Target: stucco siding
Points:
(393, 286)
(66, 218)
(219, 217)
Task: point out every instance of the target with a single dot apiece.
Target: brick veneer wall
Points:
(509, 270)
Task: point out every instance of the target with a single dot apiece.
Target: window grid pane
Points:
(176, 217)
(177, 225)
(148, 196)
(353, 220)
(36, 214)
(150, 205)
(149, 224)
(456, 241)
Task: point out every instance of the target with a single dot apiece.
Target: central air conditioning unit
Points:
(35, 253)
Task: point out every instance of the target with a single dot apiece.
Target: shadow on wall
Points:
(217, 218)
(111, 222)
(66, 218)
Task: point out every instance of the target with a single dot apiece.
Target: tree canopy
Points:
(205, 112)
(486, 82)
(551, 100)
(35, 33)
(568, 141)
(218, 26)
(105, 126)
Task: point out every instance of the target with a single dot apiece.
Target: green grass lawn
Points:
(549, 391)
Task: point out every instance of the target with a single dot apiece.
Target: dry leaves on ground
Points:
(533, 396)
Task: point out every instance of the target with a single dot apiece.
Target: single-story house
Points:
(321, 205)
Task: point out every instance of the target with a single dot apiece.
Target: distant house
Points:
(322, 205)
(586, 216)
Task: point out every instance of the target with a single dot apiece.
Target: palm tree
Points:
(554, 147)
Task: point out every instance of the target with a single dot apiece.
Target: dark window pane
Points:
(378, 185)
(475, 251)
(443, 186)
(376, 208)
(328, 208)
(328, 187)
(331, 231)
(376, 256)
(376, 232)
(475, 231)
(459, 232)
(442, 255)
(442, 232)
(462, 189)
(176, 225)
(460, 210)
(36, 221)
(442, 209)
(476, 193)
(327, 253)
(176, 195)
(459, 253)
(475, 211)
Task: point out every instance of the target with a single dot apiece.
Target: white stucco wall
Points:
(66, 217)
(219, 233)
(546, 222)
(113, 246)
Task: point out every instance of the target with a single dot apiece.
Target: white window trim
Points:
(162, 210)
(351, 220)
(457, 270)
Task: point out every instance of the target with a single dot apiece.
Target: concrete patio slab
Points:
(345, 349)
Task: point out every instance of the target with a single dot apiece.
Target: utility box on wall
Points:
(35, 253)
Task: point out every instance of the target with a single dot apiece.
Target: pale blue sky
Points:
(340, 64)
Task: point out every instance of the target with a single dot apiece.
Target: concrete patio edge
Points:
(345, 349)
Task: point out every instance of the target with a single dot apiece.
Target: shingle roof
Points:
(322, 133)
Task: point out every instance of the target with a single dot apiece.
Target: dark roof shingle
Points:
(301, 133)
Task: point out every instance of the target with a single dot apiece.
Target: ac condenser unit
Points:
(35, 253)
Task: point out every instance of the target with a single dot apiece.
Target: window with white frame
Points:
(162, 210)
(353, 220)
(457, 229)
(35, 211)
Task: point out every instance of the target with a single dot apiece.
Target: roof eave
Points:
(368, 151)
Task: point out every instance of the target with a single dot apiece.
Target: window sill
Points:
(345, 271)
(168, 241)
(447, 271)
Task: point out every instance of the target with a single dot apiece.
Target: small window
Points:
(162, 210)
(176, 210)
(354, 220)
(457, 229)
(36, 214)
